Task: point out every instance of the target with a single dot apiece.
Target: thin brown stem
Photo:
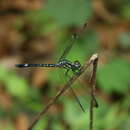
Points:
(93, 102)
(66, 86)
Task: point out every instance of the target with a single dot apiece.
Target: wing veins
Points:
(74, 37)
(77, 99)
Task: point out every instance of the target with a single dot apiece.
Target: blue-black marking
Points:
(66, 64)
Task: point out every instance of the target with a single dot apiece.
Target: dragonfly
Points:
(63, 62)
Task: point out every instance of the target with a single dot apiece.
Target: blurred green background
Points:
(37, 31)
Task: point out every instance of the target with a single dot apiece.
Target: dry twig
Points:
(93, 102)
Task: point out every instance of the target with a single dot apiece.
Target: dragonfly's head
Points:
(77, 64)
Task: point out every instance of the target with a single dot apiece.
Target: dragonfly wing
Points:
(68, 48)
(77, 99)
(74, 37)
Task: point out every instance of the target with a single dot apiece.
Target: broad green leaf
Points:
(74, 116)
(41, 125)
(69, 12)
(114, 76)
(17, 87)
(14, 84)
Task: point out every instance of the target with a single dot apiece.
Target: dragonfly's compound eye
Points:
(77, 63)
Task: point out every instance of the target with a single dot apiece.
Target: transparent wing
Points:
(79, 96)
(73, 39)
(77, 93)
(80, 91)
(66, 52)
(82, 95)
(77, 99)
(68, 48)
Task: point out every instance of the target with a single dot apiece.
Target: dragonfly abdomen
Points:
(36, 65)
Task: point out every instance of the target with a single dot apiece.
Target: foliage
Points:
(37, 32)
(69, 13)
(108, 79)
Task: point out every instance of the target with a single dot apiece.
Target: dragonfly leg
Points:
(66, 73)
(75, 72)
(74, 94)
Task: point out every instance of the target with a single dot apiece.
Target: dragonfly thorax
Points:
(67, 64)
(75, 66)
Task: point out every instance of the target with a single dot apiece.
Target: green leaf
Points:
(58, 126)
(17, 87)
(114, 76)
(69, 12)
(74, 116)
(41, 125)
(14, 84)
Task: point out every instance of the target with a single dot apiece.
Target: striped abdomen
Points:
(37, 65)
